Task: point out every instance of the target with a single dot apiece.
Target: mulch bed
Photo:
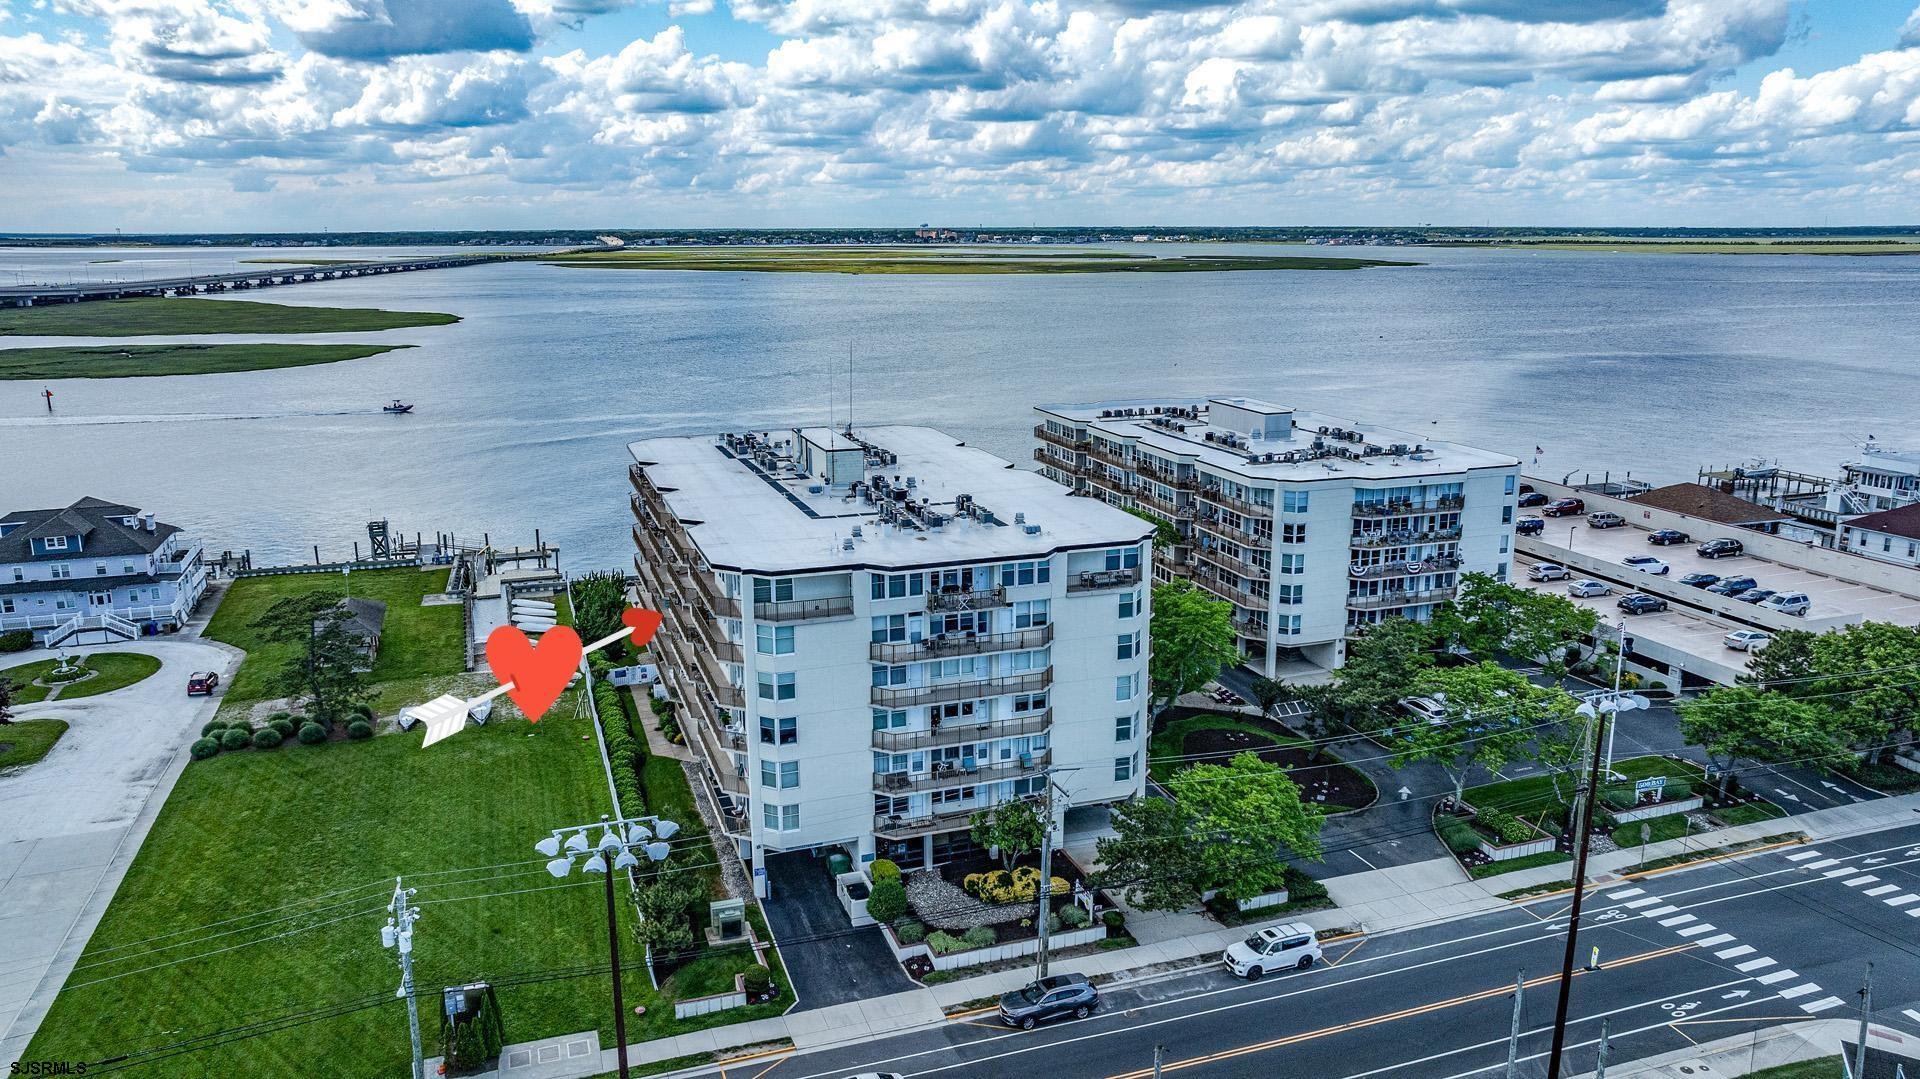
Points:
(1326, 780)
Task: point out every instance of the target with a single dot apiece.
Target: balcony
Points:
(955, 644)
(1079, 445)
(1403, 539)
(1233, 593)
(1179, 511)
(908, 696)
(979, 599)
(959, 774)
(1408, 508)
(1100, 580)
(1405, 568)
(804, 610)
(1235, 503)
(1238, 566)
(954, 732)
(1119, 461)
(707, 623)
(1248, 627)
(901, 826)
(1398, 599)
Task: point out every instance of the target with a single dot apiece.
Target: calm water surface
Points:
(1651, 363)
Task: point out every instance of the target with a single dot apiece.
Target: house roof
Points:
(1698, 500)
(1904, 522)
(93, 518)
(365, 617)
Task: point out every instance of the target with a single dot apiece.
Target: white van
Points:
(1279, 947)
(1788, 603)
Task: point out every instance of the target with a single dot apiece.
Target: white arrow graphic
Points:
(1784, 794)
(1874, 861)
(1833, 786)
(1736, 994)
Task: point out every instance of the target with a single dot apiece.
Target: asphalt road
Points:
(1685, 957)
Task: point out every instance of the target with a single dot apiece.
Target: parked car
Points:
(202, 683)
(1788, 603)
(1755, 595)
(1585, 588)
(1731, 585)
(1746, 640)
(1663, 537)
(1529, 526)
(1641, 603)
(1646, 563)
(1049, 998)
(1605, 519)
(1721, 548)
(1532, 498)
(1700, 580)
(1564, 507)
(1547, 571)
(1431, 709)
(1278, 947)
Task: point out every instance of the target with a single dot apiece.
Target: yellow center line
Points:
(1404, 1013)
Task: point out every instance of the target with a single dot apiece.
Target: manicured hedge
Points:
(204, 748)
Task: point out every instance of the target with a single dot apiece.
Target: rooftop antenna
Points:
(849, 389)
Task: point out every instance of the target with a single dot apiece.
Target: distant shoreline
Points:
(895, 260)
(147, 361)
(152, 316)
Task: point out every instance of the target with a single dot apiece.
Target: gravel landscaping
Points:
(944, 906)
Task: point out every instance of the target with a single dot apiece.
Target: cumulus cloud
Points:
(1910, 32)
(377, 29)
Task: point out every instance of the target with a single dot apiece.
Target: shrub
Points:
(284, 726)
(1459, 836)
(1114, 920)
(1506, 826)
(16, 640)
(1619, 799)
(212, 726)
(1676, 789)
(312, 734)
(267, 738)
(280, 717)
(944, 943)
(359, 730)
(910, 932)
(363, 710)
(234, 738)
(980, 936)
(758, 980)
(1302, 888)
(1074, 916)
(204, 748)
(888, 901)
(885, 869)
(970, 884)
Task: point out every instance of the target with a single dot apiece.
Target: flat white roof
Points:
(1166, 438)
(749, 518)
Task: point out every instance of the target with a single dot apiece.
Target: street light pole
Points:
(612, 853)
(398, 933)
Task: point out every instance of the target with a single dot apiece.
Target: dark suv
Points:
(1532, 498)
(1049, 998)
(1640, 603)
(1667, 536)
(1529, 526)
(1733, 586)
(1720, 548)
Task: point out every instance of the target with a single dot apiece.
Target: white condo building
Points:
(873, 635)
(1313, 526)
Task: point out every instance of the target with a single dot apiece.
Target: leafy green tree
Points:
(1015, 828)
(1740, 723)
(887, 901)
(599, 599)
(664, 902)
(1268, 693)
(1544, 624)
(1381, 667)
(1785, 664)
(322, 671)
(1491, 616)
(1165, 535)
(1493, 714)
(1193, 638)
(1868, 680)
(1224, 827)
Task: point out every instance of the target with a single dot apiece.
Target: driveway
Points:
(829, 961)
(71, 823)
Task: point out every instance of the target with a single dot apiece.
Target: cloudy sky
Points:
(263, 114)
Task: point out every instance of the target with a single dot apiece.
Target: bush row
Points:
(16, 640)
(280, 727)
(623, 750)
(1509, 828)
(1020, 886)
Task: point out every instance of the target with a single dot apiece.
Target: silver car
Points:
(1583, 589)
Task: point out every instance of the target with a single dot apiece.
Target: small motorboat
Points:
(397, 407)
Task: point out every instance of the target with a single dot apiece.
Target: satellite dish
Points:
(549, 846)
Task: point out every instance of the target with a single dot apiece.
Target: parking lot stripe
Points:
(1627, 894)
(1696, 930)
(1822, 1004)
(1902, 900)
(1658, 912)
(1822, 863)
(1635, 905)
(1717, 938)
(1831, 873)
(1750, 965)
(1776, 977)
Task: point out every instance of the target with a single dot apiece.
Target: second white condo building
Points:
(1313, 526)
(875, 634)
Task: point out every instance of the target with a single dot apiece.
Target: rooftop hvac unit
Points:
(857, 534)
(1322, 430)
(1106, 413)
(846, 544)
(815, 488)
(1020, 518)
(1031, 530)
(1254, 434)
(912, 483)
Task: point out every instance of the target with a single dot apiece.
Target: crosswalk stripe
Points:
(1647, 902)
(1821, 864)
(1718, 938)
(1902, 900)
(1854, 883)
(1822, 1004)
(1799, 991)
(1911, 1014)
(1658, 912)
(1696, 930)
(1882, 890)
(1730, 953)
(1803, 856)
(1761, 963)
(1628, 894)
(1682, 919)
(1913, 912)
(1777, 976)
(1840, 872)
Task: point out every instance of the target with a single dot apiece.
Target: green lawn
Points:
(1169, 741)
(1672, 826)
(152, 315)
(145, 361)
(112, 670)
(28, 740)
(1534, 794)
(1750, 813)
(1531, 861)
(417, 642)
(1830, 1068)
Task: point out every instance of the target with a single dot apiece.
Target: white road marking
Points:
(1909, 1013)
(1822, 863)
(1913, 912)
(1776, 977)
(1822, 1004)
(1882, 890)
(1856, 882)
(1800, 990)
(1902, 900)
(1628, 894)
(1680, 919)
(1840, 872)
(1803, 855)
(1690, 931)
(1750, 965)
(1718, 938)
(1635, 905)
(1734, 952)
(1658, 912)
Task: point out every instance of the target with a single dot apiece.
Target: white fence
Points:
(993, 953)
(1508, 851)
(1659, 809)
(1262, 902)
(719, 1002)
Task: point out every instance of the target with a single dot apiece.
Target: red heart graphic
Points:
(539, 672)
(642, 622)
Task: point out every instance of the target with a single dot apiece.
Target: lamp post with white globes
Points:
(612, 852)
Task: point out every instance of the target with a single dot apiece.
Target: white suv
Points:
(1277, 947)
(1547, 571)
(1788, 603)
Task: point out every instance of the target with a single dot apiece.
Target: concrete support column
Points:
(755, 871)
(926, 852)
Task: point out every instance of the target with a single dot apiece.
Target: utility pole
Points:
(1600, 1066)
(1158, 1051)
(1584, 824)
(398, 933)
(1046, 881)
(1866, 1013)
(1619, 664)
(1513, 1036)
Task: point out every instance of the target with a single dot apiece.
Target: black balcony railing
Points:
(801, 610)
(943, 645)
(947, 692)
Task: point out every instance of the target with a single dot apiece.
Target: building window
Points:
(1123, 557)
(773, 640)
(889, 627)
(898, 585)
(1122, 769)
(1293, 501)
(1123, 728)
(1031, 613)
(1293, 533)
(783, 775)
(1287, 625)
(1130, 603)
(54, 543)
(1029, 702)
(1018, 573)
(889, 719)
(1129, 645)
(1293, 563)
(99, 569)
(1500, 574)
(62, 571)
(1506, 515)
(772, 590)
(6, 606)
(779, 730)
(776, 687)
(19, 574)
(1125, 687)
(1036, 660)
(779, 818)
(1509, 484)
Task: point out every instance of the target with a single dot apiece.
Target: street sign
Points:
(1651, 783)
